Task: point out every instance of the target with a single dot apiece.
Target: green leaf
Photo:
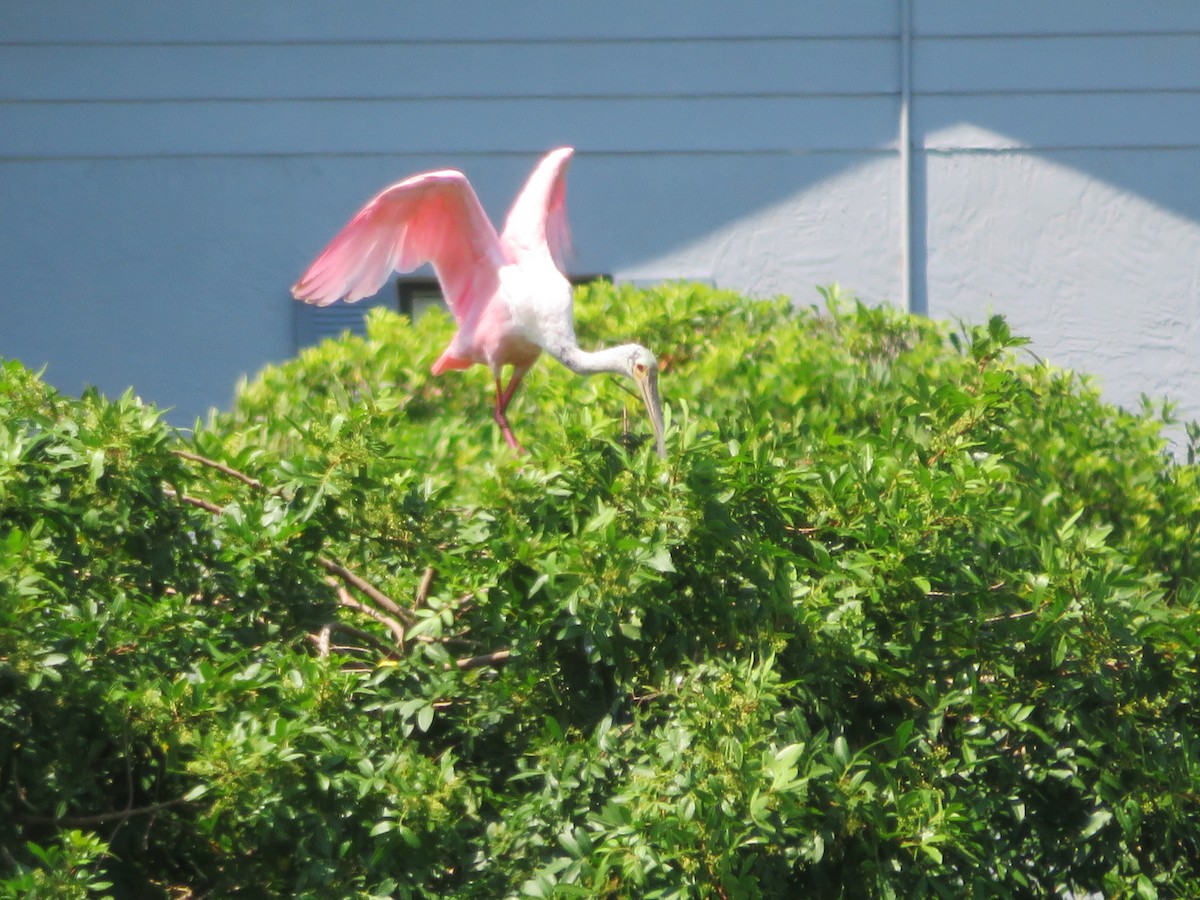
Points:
(660, 560)
(1060, 651)
(383, 826)
(841, 750)
(196, 792)
(1096, 821)
(785, 757)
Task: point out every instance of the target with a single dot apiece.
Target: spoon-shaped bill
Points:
(648, 383)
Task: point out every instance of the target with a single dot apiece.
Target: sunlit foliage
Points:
(905, 612)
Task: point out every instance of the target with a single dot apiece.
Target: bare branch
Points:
(222, 468)
(359, 584)
(200, 502)
(359, 634)
(397, 630)
(423, 587)
(321, 639)
(1009, 617)
(487, 659)
(99, 818)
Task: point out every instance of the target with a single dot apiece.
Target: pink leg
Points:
(503, 398)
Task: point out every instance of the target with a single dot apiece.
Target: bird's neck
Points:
(585, 362)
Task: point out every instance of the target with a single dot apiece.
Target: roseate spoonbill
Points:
(507, 291)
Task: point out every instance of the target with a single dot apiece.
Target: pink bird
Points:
(507, 291)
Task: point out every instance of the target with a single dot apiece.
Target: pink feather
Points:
(508, 291)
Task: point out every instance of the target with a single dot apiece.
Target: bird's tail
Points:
(448, 361)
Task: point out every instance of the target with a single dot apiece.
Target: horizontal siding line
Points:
(504, 97)
(439, 98)
(499, 98)
(468, 42)
(580, 153)
(787, 152)
(1048, 35)
(1054, 148)
(1059, 92)
(689, 39)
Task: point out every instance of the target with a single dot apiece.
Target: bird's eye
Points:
(640, 368)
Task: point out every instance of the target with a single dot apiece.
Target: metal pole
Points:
(907, 262)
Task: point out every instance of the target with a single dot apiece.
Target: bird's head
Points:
(643, 369)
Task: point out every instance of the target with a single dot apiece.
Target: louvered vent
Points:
(411, 296)
(316, 323)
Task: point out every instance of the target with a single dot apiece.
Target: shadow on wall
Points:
(764, 224)
(811, 219)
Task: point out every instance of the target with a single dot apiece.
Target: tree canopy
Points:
(906, 611)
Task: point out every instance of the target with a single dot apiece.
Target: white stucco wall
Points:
(1055, 183)
(1102, 279)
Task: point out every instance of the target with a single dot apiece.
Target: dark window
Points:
(417, 295)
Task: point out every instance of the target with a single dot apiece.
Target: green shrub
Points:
(901, 614)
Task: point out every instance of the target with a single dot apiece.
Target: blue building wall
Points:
(166, 170)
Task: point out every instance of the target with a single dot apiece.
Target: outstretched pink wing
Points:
(538, 217)
(434, 217)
